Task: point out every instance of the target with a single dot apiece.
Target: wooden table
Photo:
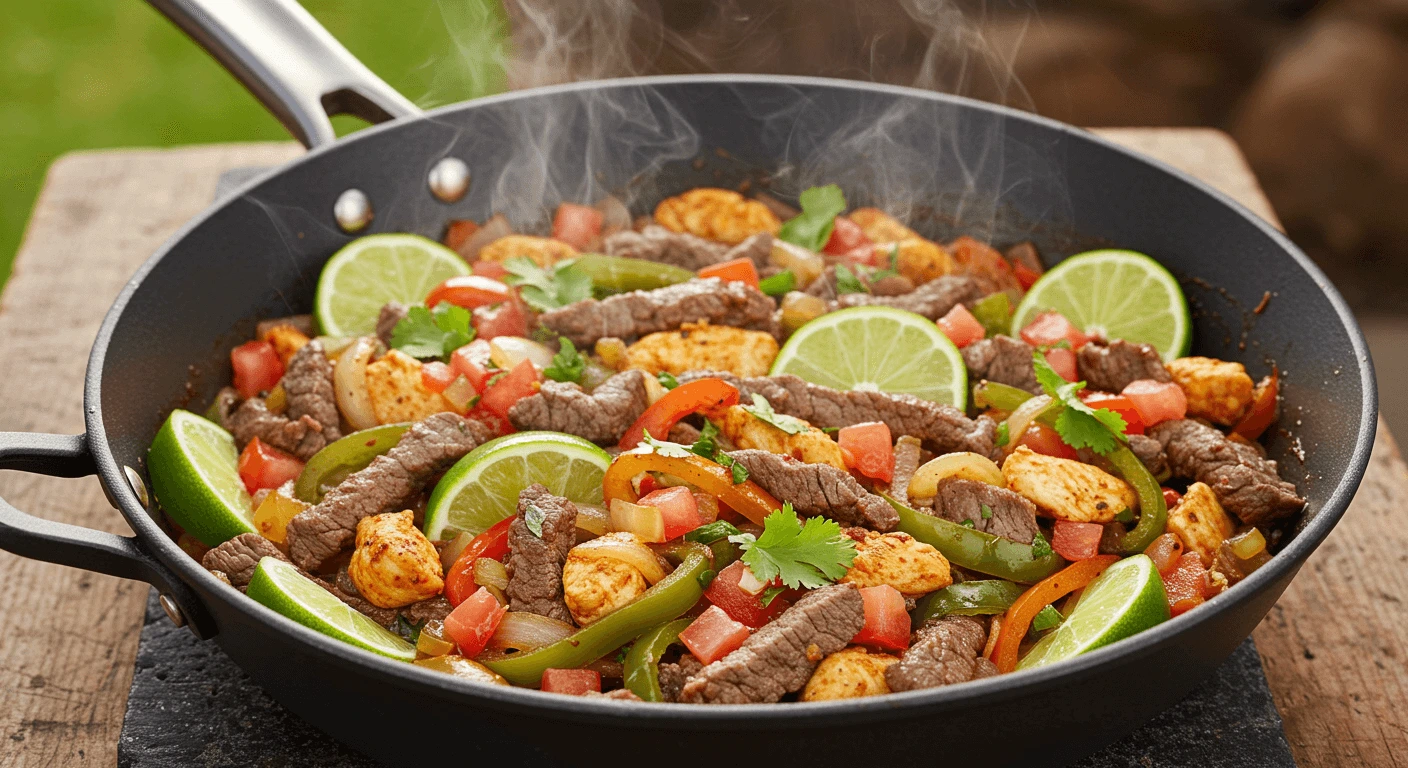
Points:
(1334, 647)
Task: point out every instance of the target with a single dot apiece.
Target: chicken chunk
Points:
(917, 259)
(1067, 489)
(286, 339)
(848, 674)
(716, 214)
(543, 251)
(1200, 522)
(394, 564)
(745, 430)
(881, 227)
(700, 346)
(397, 392)
(1217, 390)
(912, 567)
(594, 586)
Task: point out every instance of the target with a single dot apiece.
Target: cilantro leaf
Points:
(1047, 618)
(664, 448)
(893, 269)
(708, 446)
(770, 594)
(567, 364)
(809, 555)
(712, 532)
(1040, 547)
(812, 227)
(426, 333)
(1079, 425)
(739, 472)
(762, 409)
(986, 511)
(847, 282)
(778, 284)
(533, 517)
(543, 289)
(667, 380)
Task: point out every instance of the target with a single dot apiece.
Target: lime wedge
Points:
(1120, 294)
(1125, 600)
(370, 271)
(195, 475)
(280, 587)
(482, 488)
(877, 349)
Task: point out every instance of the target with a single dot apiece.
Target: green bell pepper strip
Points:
(1153, 513)
(970, 598)
(991, 394)
(994, 312)
(976, 550)
(642, 663)
(617, 274)
(667, 600)
(715, 536)
(341, 458)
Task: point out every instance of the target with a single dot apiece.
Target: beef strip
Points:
(907, 458)
(757, 249)
(238, 557)
(1011, 515)
(673, 676)
(602, 416)
(432, 609)
(1112, 367)
(933, 299)
(429, 447)
(392, 313)
(656, 243)
(226, 401)
(943, 428)
(1245, 482)
(817, 489)
(1004, 360)
(535, 562)
(635, 314)
(944, 651)
(312, 419)
(779, 658)
(620, 694)
(824, 287)
(1149, 451)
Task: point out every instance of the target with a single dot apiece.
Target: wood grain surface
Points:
(1333, 648)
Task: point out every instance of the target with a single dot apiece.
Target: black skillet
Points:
(258, 253)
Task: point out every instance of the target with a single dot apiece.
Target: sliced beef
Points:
(535, 562)
(433, 609)
(1008, 514)
(429, 447)
(817, 489)
(311, 420)
(1151, 452)
(943, 428)
(779, 658)
(889, 285)
(1112, 367)
(673, 676)
(602, 416)
(908, 452)
(656, 243)
(933, 299)
(392, 313)
(1245, 482)
(1004, 360)
(620, 694)
(757, 249)
(944, 651)
(226, 401)
(635, 314)
(238, 557)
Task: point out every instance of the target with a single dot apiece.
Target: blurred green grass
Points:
(87, 74)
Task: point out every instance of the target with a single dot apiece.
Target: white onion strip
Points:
(350, 383)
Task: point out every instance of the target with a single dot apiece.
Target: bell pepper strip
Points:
(702, 395)
(968, 598)
(642, 664)
(492, 543)
(1018, 618)
(617, 274)
(1263, 410)
(745, 498)
(666, 601)
(976, 550)
(337, 460)
(1153, 514)
(715, 536)
(991, 394)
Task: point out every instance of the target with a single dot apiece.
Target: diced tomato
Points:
(1076, 541)
(869, 449)
(846, 236)
(517, 384)
(491, 269)
(1187, 585)
(647, 484)
(702, 395)
(1172, 498)
(713, 635)
(571, 682)
(1045, 440)
(1133, 419)
(725, 594)
(264, 466)
(498, 424)
(472, 362)
(1050, 328)
(576, 225)
(435, 376)
(506, 319)
(735, 271)
(677, 506)
(1026, 276)
(1165, 552)
(492, 543)
(1063, 361)
(474, 621)
(458, 232)
(469, 291)
(1157, 400)
(886, 622)
(961, 327)
(257, 368)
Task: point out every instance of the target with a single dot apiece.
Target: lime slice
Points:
(1125, 600)
(280, 587)
(370, 271)
(1120, 294)
(195, 475)
(482, 488)
(877, 349)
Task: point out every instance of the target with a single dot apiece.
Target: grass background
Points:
(86, 74)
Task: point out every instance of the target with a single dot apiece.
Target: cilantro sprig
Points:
(778, 284)
(802, 556)
(848, 282)
(762, 409)
(433, 333)
(545, 289)
(708, 446)
(812, 227)
(1079, 425)
(567, 364)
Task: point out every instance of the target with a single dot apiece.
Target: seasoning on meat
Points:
(944, 651)
(312, 419)
(535, 562)
(1004, 360)
(817, 489)
(635, 314)
(1112, 367)
(656, 243)
(899, 560)
(1243, 480)
(387, 484)
(602, 416)
(238, 557)
(907, 459)
(933, 299)
(394, 564)
(779, 658)
(1151, 452)
(991, 509)
(392, 313)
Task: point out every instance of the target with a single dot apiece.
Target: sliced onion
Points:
(451, 552)
(460, 393)
(644, 522)
(749, 583)
(523, 632)
(1247, 545)
(432, 641)
(593, 519)
(490, 573)
(615, 217)
(1023, 417)
(799, 308)
(333, 346)
(964, 464)
(496, 227)
(350, 382)
(498, 594)
(506, 352)
(805, 265)
(612, 352)
(627, 548)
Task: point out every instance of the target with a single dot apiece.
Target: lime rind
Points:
(281, 588)
(373, 270)
(1125, 600)
(194, 468)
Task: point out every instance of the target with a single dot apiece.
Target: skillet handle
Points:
(98, 551)
(300, 72)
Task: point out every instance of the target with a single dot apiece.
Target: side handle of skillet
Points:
(300, 72)
(98, 551)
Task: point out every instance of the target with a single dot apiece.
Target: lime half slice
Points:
(370, 271)
(1121, 294)
(482, 488)
(195, 475)
(1125, 600)
(280, 587)
(877, 349)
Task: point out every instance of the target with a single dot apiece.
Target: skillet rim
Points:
(746, 716)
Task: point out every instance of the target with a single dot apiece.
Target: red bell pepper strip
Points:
(492, 543)
(703, 395)
(1018, 618)
(746, 498)
(1263, 410)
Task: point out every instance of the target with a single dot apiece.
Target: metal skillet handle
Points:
(289, 62)
(98, 551)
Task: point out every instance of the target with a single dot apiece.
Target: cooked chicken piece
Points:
(1200, 522)
(287, 340)
(544, 251)
(748, 431)
(1067, 489)
(1217, 390)
(848, 674)
(397, 392)
(912, 567)
(594, 586)
(881, 227)
(716, 214)
(394, 564)
(917, 259)
(704, 347)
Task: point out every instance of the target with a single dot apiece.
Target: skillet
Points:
(952, 165)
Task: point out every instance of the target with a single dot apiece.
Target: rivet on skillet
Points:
(138, 487)
(353, 211)
(173, 611)
(449, 179)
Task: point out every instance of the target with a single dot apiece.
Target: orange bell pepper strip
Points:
(737, 270)
(1263, 410)
(703, 395)
(1018, 618)
(745, 498)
